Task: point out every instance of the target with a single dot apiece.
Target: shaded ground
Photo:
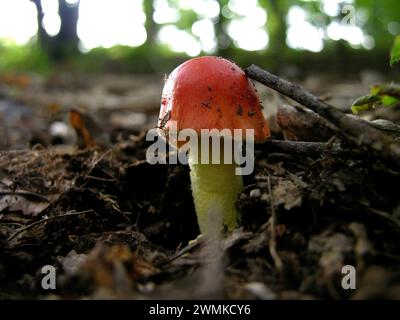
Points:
(114, 226)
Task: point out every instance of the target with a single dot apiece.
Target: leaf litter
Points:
(115, 226)
(122, 249)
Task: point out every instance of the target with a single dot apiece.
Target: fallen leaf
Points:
(26, 202)
(88, 131)
(287, 193)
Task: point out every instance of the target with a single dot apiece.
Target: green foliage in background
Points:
(386, 95)
(21, 58)
(395, 52)
(374, 17)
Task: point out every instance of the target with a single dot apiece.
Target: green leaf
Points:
(389, 101)
(365, 103)
(380, 95)
(395, 52)
(392, 90)
(389, 94)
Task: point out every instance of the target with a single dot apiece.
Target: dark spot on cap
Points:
(209, 89)
(206, 104)
(251, 113)
(232, 68)
(239, 110)
(218, 109)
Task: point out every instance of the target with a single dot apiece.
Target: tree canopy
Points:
(157, 32)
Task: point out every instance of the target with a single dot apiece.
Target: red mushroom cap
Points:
(212, 93)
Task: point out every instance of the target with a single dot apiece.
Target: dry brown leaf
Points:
(88, 131)
(287, 193)
(22, 201)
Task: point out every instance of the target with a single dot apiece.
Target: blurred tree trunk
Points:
(42, 35)
(224, 42)
(65, 43)
(276, 26)
(150, 25)
(68, 36)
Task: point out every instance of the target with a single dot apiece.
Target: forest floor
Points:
(115, 226)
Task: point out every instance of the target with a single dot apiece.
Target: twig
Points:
(305, 148)
(355, 129)
(68, 214)
(189, 247)
(101, 179)
(96, 161)
(304, 124)
(24, 193)
(380, 213)
(272, 241)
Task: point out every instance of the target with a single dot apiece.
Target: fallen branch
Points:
(272, 241)
(23, 193)
(68, 214)
(302, 124)
(356, 130)
(305, 148)
(380, 213)
(192, 245)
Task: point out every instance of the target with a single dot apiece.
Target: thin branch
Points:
(29, 226)
(272, 241)
(192, 245)
(101, 179)
(355, 129)
(23, 193)
(305, 148)
(380, 213)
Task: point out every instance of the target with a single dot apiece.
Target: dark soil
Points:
(115, 226)
(134, 217)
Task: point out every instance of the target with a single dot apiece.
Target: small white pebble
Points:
(255, 193)
(260, 291)
(59, 128)
(146, 287)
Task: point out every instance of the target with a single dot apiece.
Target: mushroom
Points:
(212, 93)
